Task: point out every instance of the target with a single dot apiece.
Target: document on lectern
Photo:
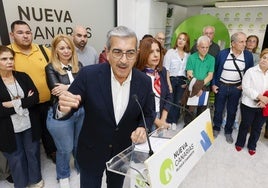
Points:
(156, 144)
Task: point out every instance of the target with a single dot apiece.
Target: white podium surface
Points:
(173, 161)
(175, 154)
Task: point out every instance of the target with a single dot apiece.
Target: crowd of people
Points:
(88, 106)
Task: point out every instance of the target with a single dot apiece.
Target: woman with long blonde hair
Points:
(60, 73)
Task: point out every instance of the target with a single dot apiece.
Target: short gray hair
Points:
(120, 31)
(235, 36)
(208, 26)
(202, 39)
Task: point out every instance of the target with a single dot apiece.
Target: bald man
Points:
(87, 55)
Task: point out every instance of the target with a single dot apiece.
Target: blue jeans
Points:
(251, 117)
(65, 134)
(24, 163)
(174, 112)
(230, 95)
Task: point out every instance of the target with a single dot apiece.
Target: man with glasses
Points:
(113, 120)
(200, 69)
(214, 48)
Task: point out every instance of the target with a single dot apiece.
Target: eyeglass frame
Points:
(128, 52)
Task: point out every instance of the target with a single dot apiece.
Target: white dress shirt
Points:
(254, 82)
(120, 95)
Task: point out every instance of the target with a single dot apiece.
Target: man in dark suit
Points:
(113, 119)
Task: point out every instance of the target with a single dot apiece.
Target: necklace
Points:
(13, 96)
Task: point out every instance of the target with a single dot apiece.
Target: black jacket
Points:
(7, 135)
(54, 77)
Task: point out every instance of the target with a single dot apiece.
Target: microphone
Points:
(135, 97)
(171, 103)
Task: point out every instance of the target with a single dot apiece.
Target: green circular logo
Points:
(259, 14)
(194, 25)
(248, 14)
(166, 171)
(139, 182)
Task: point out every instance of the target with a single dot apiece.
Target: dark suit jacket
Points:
(100, 137)
(7, 135)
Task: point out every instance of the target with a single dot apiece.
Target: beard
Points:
(82, 44)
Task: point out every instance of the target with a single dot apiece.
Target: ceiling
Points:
(187, 3)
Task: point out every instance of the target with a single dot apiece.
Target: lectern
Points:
(175, 154)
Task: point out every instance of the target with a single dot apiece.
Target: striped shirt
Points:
(229, 73)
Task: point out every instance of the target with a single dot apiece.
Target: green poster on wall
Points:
(194, 26)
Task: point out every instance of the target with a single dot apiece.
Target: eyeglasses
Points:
(203, 47)
(118, 54)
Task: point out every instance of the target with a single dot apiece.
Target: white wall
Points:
(251, 21)
(59, 16)
(158, 13)
(143, 16)
(179, 14)
(134, 14)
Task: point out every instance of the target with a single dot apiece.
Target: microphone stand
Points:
(135, 97)
(173, 104)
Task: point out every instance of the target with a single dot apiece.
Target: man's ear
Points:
(107, 52)
(105, 49)
(11, 34)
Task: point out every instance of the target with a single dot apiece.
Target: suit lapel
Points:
(134, 88)
(106, 90)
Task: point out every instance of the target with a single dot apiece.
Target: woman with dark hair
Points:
(252, 46)
(19, 133)
(150, 61)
